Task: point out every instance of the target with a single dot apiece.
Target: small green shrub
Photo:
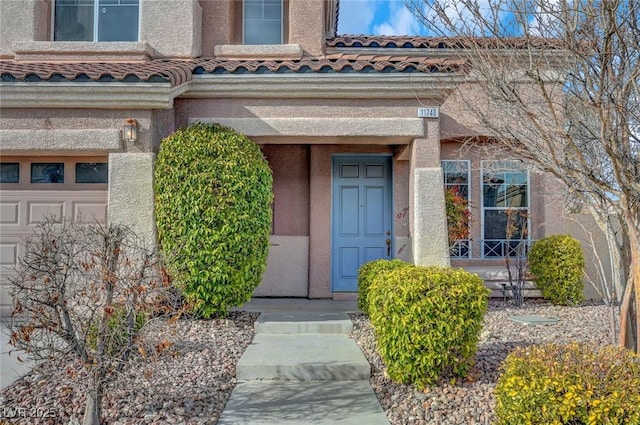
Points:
(557, 265)
(213, 192)
(118, 333)
(569, 384)
(427, 321)
(367, 272)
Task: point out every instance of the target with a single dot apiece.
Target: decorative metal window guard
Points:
(491, 248)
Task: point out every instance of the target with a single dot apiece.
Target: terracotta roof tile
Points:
(337, 62)
(178, 72)
(164, 71)
(382, 41)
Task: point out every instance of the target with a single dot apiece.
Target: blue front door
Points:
(361, 216)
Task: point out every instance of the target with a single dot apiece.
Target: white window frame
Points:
(244, 22)
(468, 184)
(483, 208)
(96, 17)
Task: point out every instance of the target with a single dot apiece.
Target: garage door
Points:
(37, 187)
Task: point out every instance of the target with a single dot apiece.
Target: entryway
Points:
(361, 216)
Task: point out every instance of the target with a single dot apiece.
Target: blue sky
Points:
(377, 17)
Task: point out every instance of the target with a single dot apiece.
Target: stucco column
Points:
(184, 17)
(131, 200)
(427, 215)
(320, 223)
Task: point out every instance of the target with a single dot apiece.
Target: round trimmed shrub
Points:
(427, 322)
(213, 193)
(557, 265)
(367, 272)
(569, 384)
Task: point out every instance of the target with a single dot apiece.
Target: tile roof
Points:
(419, 42)
(155, 71)
(179, 72)
(337, 62)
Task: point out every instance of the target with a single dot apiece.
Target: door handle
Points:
(388, 242)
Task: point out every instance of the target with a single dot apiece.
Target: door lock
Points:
(388, 242)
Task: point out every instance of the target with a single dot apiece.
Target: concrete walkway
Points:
(302, 368)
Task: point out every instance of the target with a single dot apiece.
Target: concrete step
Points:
(303, 358)
(301, 322)
(278, 403)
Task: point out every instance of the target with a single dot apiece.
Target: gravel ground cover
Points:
(192, 381)
(188, 384)
(471, 401)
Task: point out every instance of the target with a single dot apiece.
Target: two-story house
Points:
(362, 133)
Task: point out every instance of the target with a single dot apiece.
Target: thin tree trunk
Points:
(629, 323)
(93, 406)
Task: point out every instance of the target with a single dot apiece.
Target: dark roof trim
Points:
(418, 42)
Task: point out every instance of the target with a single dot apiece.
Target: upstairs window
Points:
(96, 20)
(262, 22)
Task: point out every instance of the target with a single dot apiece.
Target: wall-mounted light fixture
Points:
(130, 131)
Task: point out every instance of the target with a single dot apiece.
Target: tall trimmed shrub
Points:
(557, 265)
(213, 192)
(366, 274)
(427, 322)
(569, 384)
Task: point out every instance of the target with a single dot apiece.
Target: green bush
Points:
(117, 333)
(557, 265)
(427, 321)
(569, 384)
(367, 272)
(213, 192)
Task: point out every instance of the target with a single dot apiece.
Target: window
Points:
(47, 172)
(10, 172)
(262, 22)
(505, 208)
(96, 20)
(456, 178)
(92, 172)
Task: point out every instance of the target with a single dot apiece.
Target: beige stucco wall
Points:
(401, 232)
(131, 199)
(172, 28)
(582, 226)
(290, 167)
(152, 126)
(22, 20)
(287, 273)
(306, 25)
(302, 108)
(427, 216)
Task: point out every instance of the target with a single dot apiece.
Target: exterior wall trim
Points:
(60, 141)
(259, 51)
(322, 86)
(323, 127)
(46, 51)
(89, 95)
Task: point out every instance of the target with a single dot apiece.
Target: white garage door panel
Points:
(20, 212)
(8, 253)
(39, 210)
(9, 212)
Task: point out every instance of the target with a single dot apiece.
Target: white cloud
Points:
(355, 16)
(401, 21)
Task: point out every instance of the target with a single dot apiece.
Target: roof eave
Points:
(88, 95)
(436, 86)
